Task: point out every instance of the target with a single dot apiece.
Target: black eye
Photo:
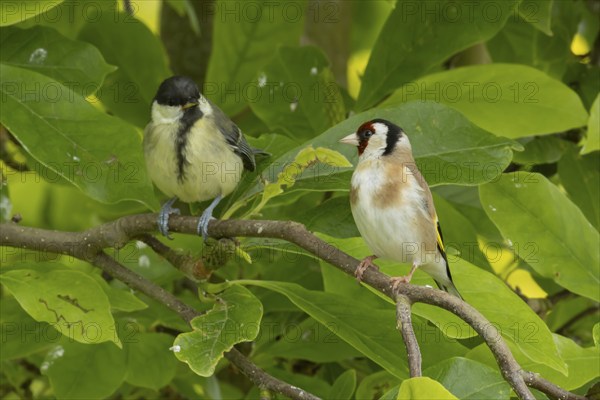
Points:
(368, 133)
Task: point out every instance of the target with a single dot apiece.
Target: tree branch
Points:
(119, 232)
(404, 324)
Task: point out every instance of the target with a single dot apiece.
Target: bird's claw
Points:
(163, 217)
(363, 265)
(397, 280)
(205, 218)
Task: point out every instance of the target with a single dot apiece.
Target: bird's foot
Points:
(206, 217)
(163, 217)
(363, 265)
(397, 280)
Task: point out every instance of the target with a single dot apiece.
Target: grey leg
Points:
(163, 217)
(206, 217)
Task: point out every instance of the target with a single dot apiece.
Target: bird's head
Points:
(176, 96)
(377, 138)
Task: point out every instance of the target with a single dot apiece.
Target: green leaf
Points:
(580, 176)
(522, 42)
(99, 154)
(423, 388)
(309, 340)
(468, 379)
(141, 59)
(344, 386)
(374, 385)
(244, 40)
(22, 335)
(546, 229)
(79, 371)
(415, 40)
(472, 156)
(287, 177)
(333, 217)
(541, 150)
(235, 318)
(596, 334)
(77, 65)
(13, 12)
(592, 140)
(537, 13)
(150, 364)
(486, 94)
(297, 93)
(71, 301)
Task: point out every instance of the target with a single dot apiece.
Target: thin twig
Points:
(119, 232)
(535, 381)
(404, 324)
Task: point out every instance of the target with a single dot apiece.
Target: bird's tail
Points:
(448, 286)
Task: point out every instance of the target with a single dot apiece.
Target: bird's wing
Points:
(431, 209)
(234, 137)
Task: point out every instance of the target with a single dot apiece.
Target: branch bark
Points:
(117, 233)
(404, 324)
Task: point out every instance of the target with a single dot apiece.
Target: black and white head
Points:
(377, 138)
(176, 96)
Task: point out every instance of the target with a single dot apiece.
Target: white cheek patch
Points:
(380, 128)
(205, 106)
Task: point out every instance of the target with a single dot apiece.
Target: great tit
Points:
(193, 151)
(392, 205)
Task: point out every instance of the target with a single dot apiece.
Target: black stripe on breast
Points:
(190, 116)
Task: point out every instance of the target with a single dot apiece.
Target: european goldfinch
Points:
(193, 151)
(393, 207)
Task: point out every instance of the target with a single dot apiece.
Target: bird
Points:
(392, 205)
(193, 151)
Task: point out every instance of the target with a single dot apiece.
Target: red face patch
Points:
(364, 133)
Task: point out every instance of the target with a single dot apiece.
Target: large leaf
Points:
(423, 388)
(506, 99)
(244, 40)
(100, 154)
(533, 214)
(308, 340)
(22, 335)
(141, 59)
(537, 13)
(468, 379)
(523, 42)
(344, 386)
(419, 36)
(235, 318)
(447, 147)
(297, 93)
(77, 65)
(580, 175)
(85, 372)
(150, 346)
(12, 12)
(514, 321)
(592, 138)
(71, 301)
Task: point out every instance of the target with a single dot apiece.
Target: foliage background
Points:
(499, 98)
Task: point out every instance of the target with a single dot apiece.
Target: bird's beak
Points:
(189, 105)
(350, 139)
